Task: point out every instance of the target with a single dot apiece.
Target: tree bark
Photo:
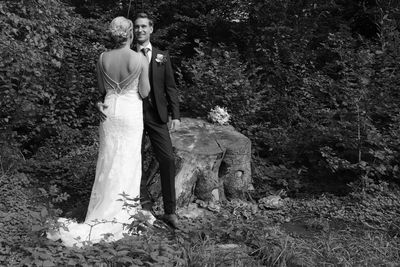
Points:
(213, 162)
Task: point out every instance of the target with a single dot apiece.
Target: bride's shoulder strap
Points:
(101, 61)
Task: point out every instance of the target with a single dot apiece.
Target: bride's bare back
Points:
(120, 64)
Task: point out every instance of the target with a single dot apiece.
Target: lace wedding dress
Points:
(118, 169)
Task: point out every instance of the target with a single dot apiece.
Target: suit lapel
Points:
(154, 77)
(151, 67)
(153, 64)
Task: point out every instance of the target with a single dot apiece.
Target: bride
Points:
(123, 81)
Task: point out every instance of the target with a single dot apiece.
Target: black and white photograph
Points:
(214, 133)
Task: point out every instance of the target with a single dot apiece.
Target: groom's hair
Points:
(144, 16)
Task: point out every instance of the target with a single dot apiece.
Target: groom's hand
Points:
(175, 124)
(100, 108)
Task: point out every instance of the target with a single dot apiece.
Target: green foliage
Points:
(217, 77)
(305, 93)
(47, 69)
(348, 135)
(335, 230)
(65, 163)
(24, 212)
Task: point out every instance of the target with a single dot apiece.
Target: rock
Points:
(271, 202)
(193, 211)
(213, 162)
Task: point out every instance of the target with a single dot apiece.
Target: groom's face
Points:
(143, 30)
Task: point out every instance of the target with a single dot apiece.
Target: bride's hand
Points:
(175, 124)
(101, 107)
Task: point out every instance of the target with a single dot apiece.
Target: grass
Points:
(360, 229)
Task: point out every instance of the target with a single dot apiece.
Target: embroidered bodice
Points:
(130, 83)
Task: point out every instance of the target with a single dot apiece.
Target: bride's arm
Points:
(100, 106)
(144, 83)
(100, 83)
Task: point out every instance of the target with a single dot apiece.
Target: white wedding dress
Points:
(118, 169)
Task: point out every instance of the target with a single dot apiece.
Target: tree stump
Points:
(213, 162)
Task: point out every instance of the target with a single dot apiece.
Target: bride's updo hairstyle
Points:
(120, 29)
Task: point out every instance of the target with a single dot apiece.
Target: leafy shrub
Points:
(46, 71)
(218, 77)
(68, 164)
(24, 210)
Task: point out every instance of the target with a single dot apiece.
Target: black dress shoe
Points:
(171, 220)
(147, 206)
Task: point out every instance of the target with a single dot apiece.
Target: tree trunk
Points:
(213, 162)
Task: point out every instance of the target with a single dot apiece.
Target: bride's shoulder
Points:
(133, 52)
(135, 59)
(136, 56)
(105, 55)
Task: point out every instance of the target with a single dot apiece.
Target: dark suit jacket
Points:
(163, 94)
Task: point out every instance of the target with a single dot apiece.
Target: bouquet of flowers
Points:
(219, 115)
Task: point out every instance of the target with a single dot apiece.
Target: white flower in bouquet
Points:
(219, 115)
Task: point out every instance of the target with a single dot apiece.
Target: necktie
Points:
(145, 51)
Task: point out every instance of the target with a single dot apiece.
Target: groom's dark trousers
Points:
(162, 147)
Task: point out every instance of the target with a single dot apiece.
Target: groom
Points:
(163, 98)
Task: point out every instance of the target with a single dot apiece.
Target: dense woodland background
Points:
(313, 83)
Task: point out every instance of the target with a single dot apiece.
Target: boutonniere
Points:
(160, 58)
